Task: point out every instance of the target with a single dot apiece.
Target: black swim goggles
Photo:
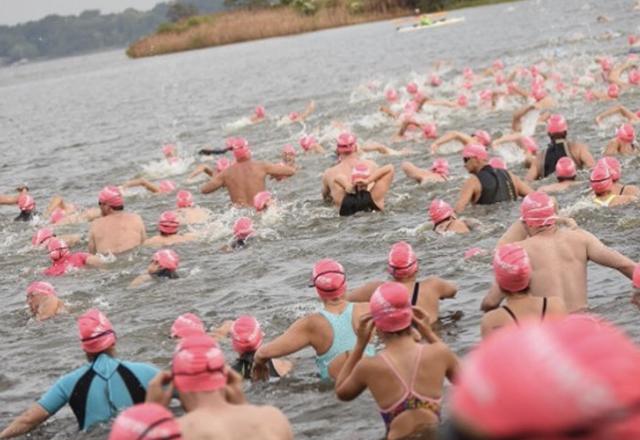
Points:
(99, 335)
(393, 269)
(143, 435)
(312, 283)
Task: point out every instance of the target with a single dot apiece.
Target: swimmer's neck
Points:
(518, 296)
(547, 230)
(203, 400)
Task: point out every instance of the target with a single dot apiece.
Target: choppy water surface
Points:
(71, 126)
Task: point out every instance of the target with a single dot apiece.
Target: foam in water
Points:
(237, 125)
(162, 168)
(511, 153)
(529, 122)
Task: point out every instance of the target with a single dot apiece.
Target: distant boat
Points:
(439, 23)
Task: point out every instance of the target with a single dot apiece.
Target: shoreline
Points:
(238, 26)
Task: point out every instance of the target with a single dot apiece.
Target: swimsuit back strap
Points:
(416, 367)
(544, 306)
(396, 373)
(416, 292)
(622, 190)
(510, 312)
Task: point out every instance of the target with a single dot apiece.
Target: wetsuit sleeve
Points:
(57, 396)
(211, 152)
(144, 372)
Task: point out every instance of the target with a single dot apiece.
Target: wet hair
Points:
(164, 234)
(558, 136)
(404, 332)
(564, 179)
(24, 216)
(166, 273)
(118, 208)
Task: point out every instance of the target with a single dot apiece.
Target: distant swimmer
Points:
(164, 265)
(168, 227)
(300, 117)
(43, 300)
(631, 117)
(259, 114)
(545, 163)
(559, 256)
(188, 213)
(330, 332)
(170, 153)
(616, 173)
(366, 191)
(289, 155)
(116, 231)
(602, 186)
(444, 218)
(439, 172)
(566, 174)
(310, 144)
(6, 199)
(512, 270)
(62, 212)
(487, 185)
(42, 236)
(246, 177)
(27, 207)
(478, 137)
(624, 143)
(162, 187)
(242, 234)
(97, 391)
(62, 259)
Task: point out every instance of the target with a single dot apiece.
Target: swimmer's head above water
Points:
(390, 308)
(440, 211)
(42, 236)
(512, 268)
(110, 199)
(184, 199)
(475, 157)
(566, 169)
(538, 210)
(198, 366)
(164, 263)
(36, 292)
(557, 127)
(96, 332)
(614, 167)
(169, 223)
(146, 421)
(241, 150)
(57, 249)
(626, 133)
(187, 324)
(346, 144)
(246, 335)
(262, 200)
(359, 176)
(600, 178)
(329, 279)
(243, 228)
(402, 262)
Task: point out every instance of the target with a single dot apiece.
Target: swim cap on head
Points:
(186, 325)
(498, 64)
(613, 91)
(475, 151)
(440, 166)
(486, 95)
(601, 181)
(306, 142)
(402, 261)
(329, 279)
(259, 112)
(168, 223)
(166, 186)
(145, 421)
(435, 80)
(26, 203)
(360, 172)
(288, 150)
(41, 288)
(262, 200)
(169, 150)
(439, 211)
(538, 92)
(184, 199)
(634, 77)
(462, 101)
(167, 259)
(391, 308)
(346, 143)
(565, 357)
(498, 163)
(294, 116)
(632, 39)
(467, 73)
(41, 236)
(111, 196)
(95, 331)
(500, 78)
(222, 164)
(246, 335)
(636, 277)
(512, 268)
(556, 124)
(243, 228)
(198, 365)
(565, 168)
(614, 167)
(537, 210)
(391, 95)
(606, 64)
(57, 249)
(412, 88)
(56, 215)
(241, 150)
(530, 144)
(430, 130)
(626, 133)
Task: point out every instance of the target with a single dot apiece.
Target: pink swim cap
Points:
(288, 150)
(198, 365)
(241, 150)
(145, 421)
(391, 308)
(498, 64)
(243, 228)
(636, 277)
(391, 95)
(475, 151)
(606, 64)
(565, 168)
(329, 279)
(530, 144)
(537, 210)
(614, 167)
(186, 325)
(402, 261)
(538, 93)
(184, 199)
(632, 39)
(56, 215)
(360, 172)
(169, 150)
(412, 88)
(474, 252)
(462, 101)
(430, 130)
(500, 78)
(346, 143)
(95, 332)
(634, 77)
(467, 73)
(601, 181)
(556, 124)
(306, 142)
(41, 236)
(168, 223)
(246, 335)
(167, 259)
(486, 95)
(166, 186)
(512, 268)
(439, 211)
(498, 163)
(222, 164)
(626, 133)
(41, 288)
(613, 91)
(468, 85)
(26, 203)
(262, 200)
(57, 249)
(111, 196)
(435, 80)
(564, 357)
(259, 112)
(294, 116)
(440, 166)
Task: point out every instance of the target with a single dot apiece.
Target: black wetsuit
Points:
(357, 202)
(166, 273)
(244, 365)
(553, 153)
(24, 216)
(513, 315)
(211, 152)
(497, 186)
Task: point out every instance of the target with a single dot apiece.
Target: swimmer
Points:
(444, 219)
(512, 270)
(402, 265)
(27, 206)
(559, 256)
(170, 153)
(164, 264)
(527, 144)
(263, 200)
(439, 172)
(221, 165)
(168, 227)
(43, 301)
(116, 231)
(62, 259)
(163, 187)
(300, 117)
(478, 137)
(187, 212)
(565, 173)
(242, 232)
(42, 236)
(330, 332)
(309, 144)
(487, 185)
(406, 378)
(289, 155)
(616, 173)
(94, 396)
(61, 212)
(631, 117)
(246, 177)
(6, 199)
(146, 421)
(602, 186)
(545, 163)
(545, 103)
(366, 191)
(624, 143)
(259, 114)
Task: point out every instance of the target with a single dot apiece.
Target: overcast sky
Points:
(19, 11)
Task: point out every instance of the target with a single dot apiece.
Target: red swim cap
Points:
(439, 211)
(402, 261)
(565, 168)
(440, 166)
(601, 181)
(169, 150)
(167, 186)
(391, 95)
(57, 249)
(390, 307)
(184, 199)
(613, 91)
(476, 151)
(56, 215)
(26, 203)
(186, 325)
(111, 196)
(243, 228)
(95, 331)
(346, 143)
(329, 279)
(412, 88)
(537, 210)
(512, 268)
(167, 259)
(435, 80)
(41, 288)
(259, 112)
(241, 150)
(614, 167)
(306, 142)
(41, 236)
(556, 124)
(289, 150)
(430, 130)
(246, 335)
(262, 200)
(169, 223)
(626, 133)
(145, 421)
(198, 365)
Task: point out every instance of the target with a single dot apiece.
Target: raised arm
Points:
(279, 170)
(448, 137)
(151, 187)
(214, 184)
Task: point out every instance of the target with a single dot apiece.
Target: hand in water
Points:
(156, 391)
(365, 329)
(260, 371)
